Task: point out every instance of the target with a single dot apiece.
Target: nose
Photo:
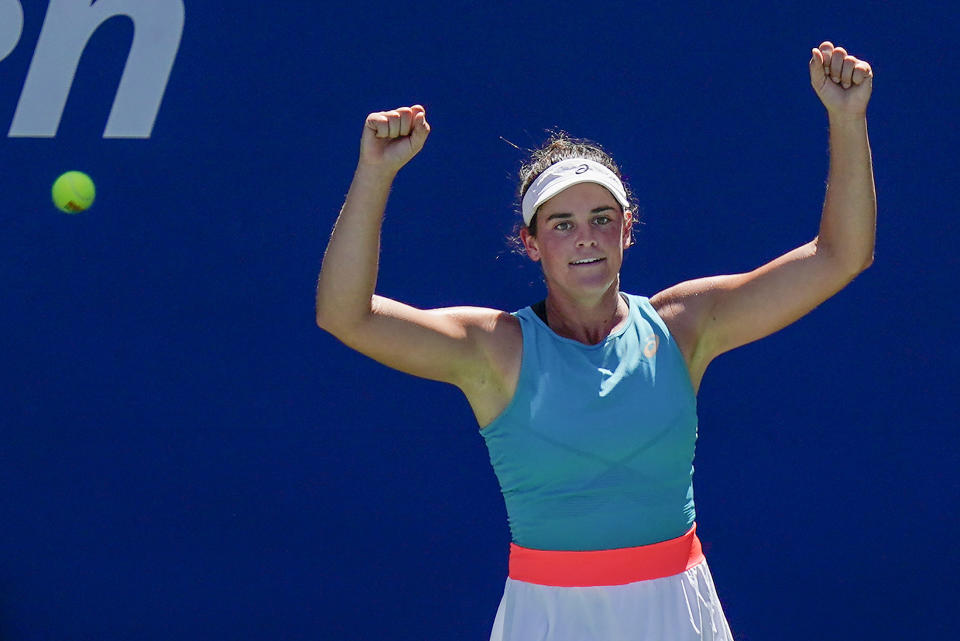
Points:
(586, 239)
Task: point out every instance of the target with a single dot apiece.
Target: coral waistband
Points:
(606, 567)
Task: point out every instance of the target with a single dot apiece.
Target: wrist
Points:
(841, 118)
(847, 127)
(371, 174)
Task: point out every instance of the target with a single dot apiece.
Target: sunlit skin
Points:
(582, 233)
(583, 222)
(479, 349)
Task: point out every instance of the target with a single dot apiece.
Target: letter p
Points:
(11, 26)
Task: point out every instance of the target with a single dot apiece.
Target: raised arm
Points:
(464, 346)
(713, 315)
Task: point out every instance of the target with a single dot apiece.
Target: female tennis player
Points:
(587, 400)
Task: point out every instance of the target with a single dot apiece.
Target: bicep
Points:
(725, 312)
(440, 344)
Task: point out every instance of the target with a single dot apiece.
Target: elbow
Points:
(853, 269)
(324, 315)
(865, 260)
(332, 325)
(335, 318)
(326, 319)
(849, 263)
(327, 313)
(321, 320)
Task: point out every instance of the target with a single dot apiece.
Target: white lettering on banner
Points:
(11, 26)
(68, 26)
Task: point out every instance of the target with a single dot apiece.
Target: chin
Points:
(594, 285)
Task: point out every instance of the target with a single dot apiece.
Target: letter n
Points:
(68, 26)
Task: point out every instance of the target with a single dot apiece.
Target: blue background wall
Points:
(185, 455)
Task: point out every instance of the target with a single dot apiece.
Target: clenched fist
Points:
(391, 138)
(842, 82)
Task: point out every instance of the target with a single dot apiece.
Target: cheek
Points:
(545, 246)
(613, 236)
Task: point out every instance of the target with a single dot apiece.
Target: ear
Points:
(530, 244)
(627, 228)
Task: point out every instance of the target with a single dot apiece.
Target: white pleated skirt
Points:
(658, 592)
(682, 607)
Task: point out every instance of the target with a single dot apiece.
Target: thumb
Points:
(419, 131)
(817, 75)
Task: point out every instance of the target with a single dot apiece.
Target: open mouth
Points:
(588, 261)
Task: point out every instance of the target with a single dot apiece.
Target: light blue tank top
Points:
(595, 450)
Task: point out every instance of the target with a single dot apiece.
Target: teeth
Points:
(586, 260)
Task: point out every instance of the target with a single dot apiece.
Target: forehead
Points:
(582, 196)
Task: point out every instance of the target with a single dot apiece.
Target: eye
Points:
(602, 220)
(563, 225)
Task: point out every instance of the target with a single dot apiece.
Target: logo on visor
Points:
(582, 169)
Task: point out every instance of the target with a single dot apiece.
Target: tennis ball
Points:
(73, 192)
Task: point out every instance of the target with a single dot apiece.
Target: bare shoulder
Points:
(495, 333)
(680, 307)
(683, 308)
(490, 387)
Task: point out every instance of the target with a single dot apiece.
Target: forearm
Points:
(348, 276)
(848, 222)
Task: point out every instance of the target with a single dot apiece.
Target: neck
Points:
(588, 321)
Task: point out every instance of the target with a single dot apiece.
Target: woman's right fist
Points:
(391, 138)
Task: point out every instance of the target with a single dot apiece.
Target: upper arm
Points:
(454, 345)
(716, 314)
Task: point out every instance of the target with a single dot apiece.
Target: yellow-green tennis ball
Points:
(73, 192)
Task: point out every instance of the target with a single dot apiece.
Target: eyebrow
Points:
(595, 210)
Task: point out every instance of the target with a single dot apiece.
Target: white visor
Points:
(567, 173)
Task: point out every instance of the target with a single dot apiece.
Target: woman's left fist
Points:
(842, 82)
